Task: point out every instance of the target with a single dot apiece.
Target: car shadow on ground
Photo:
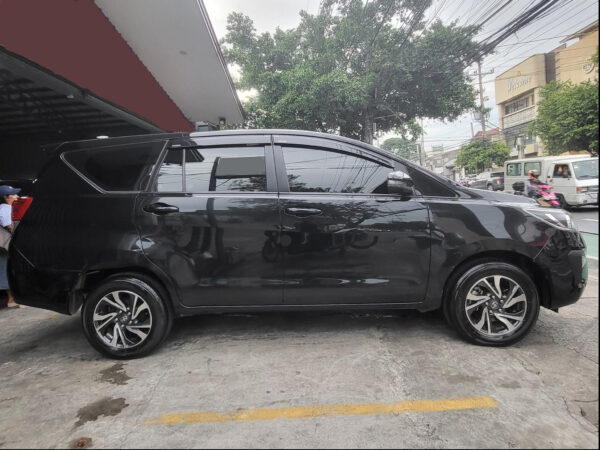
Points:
(275, 325)
(44, 336)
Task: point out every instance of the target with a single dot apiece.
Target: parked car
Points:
(574, 178)
(467, 180)
(140, 230)
(492, 181)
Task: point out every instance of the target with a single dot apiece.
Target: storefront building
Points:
(82, 69)
(518, 89)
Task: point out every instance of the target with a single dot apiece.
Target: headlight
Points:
(555, 217)
(581, 189)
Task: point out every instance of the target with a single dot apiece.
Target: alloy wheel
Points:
(496, 306)
(122, 319)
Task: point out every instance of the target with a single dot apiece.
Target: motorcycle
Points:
(544, 195)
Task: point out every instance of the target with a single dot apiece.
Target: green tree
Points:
(568, 117)
(480, 155)
(406, 148)
(352, 65)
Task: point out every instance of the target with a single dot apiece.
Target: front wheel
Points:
(490, 187)
(494, 304)
(562, 202)
(125, 317)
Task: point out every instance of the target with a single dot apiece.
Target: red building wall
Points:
(73, 39)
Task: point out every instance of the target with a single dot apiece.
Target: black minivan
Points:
(140, 230)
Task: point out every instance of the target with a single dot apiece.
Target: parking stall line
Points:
(303, 412)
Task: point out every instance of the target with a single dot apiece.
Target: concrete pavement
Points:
(58, 391)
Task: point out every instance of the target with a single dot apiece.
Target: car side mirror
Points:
(399, 183)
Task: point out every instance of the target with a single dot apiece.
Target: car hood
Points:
(501, 197)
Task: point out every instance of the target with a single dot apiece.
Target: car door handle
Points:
(161, 208)
(302, 212)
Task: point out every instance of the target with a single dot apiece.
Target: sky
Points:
(541, 36)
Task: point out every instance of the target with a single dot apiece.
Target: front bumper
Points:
(564, 265)
(586, 198)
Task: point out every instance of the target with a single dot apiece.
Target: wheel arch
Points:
(91, 279)
(517, 259)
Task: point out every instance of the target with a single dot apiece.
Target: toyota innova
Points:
(137, 231)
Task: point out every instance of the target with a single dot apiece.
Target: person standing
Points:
(8, 195)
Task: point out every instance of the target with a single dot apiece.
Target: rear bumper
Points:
(564, 264)
(42, 288)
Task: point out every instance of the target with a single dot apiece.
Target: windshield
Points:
(586, 169)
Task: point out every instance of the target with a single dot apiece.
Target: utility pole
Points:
(422, 149)
(481, 103)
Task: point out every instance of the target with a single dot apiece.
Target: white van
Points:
(574, 178)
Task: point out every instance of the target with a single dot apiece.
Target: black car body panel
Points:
(275, 248)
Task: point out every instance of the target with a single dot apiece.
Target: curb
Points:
(592, 265)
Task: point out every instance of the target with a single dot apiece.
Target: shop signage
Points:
(588, 66)
(515, 84)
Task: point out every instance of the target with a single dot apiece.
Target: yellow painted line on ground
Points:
(303, 412)
(592, 277)
(53, 316)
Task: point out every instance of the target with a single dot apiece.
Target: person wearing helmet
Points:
(533, 183)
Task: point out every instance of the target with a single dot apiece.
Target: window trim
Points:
(269, 168)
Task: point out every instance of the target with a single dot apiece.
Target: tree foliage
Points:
(568, 117)
(406, 148)
(480, 155)
(354, 63)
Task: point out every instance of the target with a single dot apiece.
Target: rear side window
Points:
(532, 166)
(219, 169)
(233, 169)
(513, 169)
(314, 170)
(116, 168)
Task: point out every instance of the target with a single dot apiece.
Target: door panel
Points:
(344, 240)
(359, 249)
(211, 244)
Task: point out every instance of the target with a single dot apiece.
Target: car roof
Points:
(91, 143)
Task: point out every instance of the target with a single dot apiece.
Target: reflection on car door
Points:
(205, 221)
(344, 240)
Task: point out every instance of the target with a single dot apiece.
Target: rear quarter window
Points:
(116, 168)
(532, 166)
(513, 169)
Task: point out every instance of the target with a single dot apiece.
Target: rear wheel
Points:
(494, 304)
(125, 317)
(490, 187)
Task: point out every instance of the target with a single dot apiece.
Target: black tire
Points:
(490, 187)
(155, 313)
(498, 334)
(563, 203)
